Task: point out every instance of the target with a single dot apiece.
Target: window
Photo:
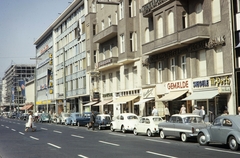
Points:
(118, 80)
(104, 83)
(94, 29)
(172, 64)
(184, 20)
(132, 8)
(216, 11)
(88, 58)
(135, 79)
(109, 20)
(110, 50)
(160, 70)
(160, 27)
(238, 5)
(121, 11)
(126, 78)
(199, 13)
(122, 44)
(170, 22)
(103, 25)
(202, 63)
(218, 60)
(183, 66)
(95, 56)
(147, 35)
(133, 41)
(148, 75)
(104, 53)
(110, 82)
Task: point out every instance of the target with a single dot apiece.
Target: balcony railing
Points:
(106, 34)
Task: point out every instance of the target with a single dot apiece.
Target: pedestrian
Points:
(183, 110)
(92, 121)
(30, 124)
(238, 110)
(154, 111)
(167, 113)
(196, 111)
(225, 112)
(202, 113)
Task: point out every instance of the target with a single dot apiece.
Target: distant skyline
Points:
(22, 23)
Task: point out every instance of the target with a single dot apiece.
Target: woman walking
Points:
(30, 124)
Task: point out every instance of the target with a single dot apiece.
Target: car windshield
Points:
(106, 118)
(192, 119)
(132, 117)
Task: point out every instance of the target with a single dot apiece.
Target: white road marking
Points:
(7, 127)
(21, 133)
(77, 136)
(82, 156)
(44, 129)
(158, 141)
(149, 152)
(57, 131)
(232, 152)
(109, 143)
(72, 127)
(13, 130)
(34, 138)
(118, 134)
(54, 145)
(2, 125)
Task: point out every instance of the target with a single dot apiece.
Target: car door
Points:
(146, 125)
(169, 128)
(117, 122)
(179, 126)
(224, 130)
(140, 125)
(214, 130)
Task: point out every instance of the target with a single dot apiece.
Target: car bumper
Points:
(193, 134)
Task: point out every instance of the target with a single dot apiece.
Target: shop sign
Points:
(148, 93)
(224, 89)
(177, 85)
(220, 81)
(147, 8)
(200, 84)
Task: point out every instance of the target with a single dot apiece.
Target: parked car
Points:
(225, 129)
(84, 119)
(148, 125)
(102, 121)
(124, 122)
(24, 116)
(44, 117)
(64, 118)
(184, 126)
(73, 118)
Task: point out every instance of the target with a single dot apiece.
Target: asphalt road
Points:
(60, 141)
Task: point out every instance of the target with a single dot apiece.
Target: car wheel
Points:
(111, 128)
(233, 144)
(162, 135)
(149, 133)
(202, 139)
(135, 131)
(99, 127)
(184, 137)
(123, 129)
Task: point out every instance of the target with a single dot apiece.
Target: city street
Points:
(54, 140)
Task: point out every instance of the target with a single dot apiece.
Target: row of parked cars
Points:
(225, 129)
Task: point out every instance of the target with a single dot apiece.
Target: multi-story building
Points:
(13, 89)
(63, 47)
(189, 49)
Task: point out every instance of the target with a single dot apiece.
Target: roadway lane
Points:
(51, 140)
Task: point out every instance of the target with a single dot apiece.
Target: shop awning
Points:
(102, 103)
(143, 101)
(90, 103)
(28, 107)
(124, 99)
(202, 95)
(172, 95)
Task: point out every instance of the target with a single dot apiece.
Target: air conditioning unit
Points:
(50, 55)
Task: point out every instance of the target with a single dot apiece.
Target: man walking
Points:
(92, 121)
(154, 111)
(202, 113)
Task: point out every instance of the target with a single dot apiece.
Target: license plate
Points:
(107, 124)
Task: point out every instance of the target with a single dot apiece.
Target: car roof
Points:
(151, 117)
(186, 115)
(127, 114)
(234, 117)
(103, 115)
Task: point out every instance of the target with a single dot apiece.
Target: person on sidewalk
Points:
(166, 113)
(154, 111)
(30, 124)
(92, 121)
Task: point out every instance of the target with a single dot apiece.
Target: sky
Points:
(22, 22)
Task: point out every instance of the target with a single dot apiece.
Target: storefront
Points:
(214, 93)
(175, 91)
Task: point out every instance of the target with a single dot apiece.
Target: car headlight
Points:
(197, 130)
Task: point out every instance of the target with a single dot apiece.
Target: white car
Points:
(124, 122)
(148, 125)
(64, 118)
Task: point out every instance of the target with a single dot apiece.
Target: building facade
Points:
(190, 56)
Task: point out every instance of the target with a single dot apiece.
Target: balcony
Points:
(107, 64)
(126, 57)
(176, 40)
(106, 34)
